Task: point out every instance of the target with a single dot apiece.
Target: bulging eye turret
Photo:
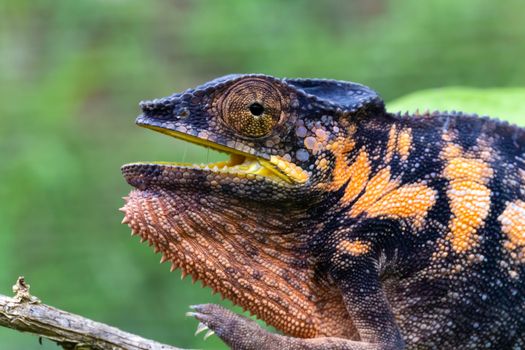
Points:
(252, 108)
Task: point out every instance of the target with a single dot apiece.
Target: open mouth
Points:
(240, 164)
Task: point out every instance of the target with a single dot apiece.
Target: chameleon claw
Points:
(208, 334)
(191, 314)
(200, 328)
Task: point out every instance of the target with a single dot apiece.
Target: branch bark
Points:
(26, 313)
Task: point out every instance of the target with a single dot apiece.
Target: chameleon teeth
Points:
(208, 334)
(201, 328)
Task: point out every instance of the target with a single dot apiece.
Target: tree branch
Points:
(26, 313)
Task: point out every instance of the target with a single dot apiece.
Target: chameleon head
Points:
(241, 226)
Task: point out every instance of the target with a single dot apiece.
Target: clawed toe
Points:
(203, 313)
(232, 328)
(201, 328)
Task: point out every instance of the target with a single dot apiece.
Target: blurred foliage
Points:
(72, 72)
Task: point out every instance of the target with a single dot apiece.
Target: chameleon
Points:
(340, 224)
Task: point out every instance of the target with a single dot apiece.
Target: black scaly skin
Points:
(440, 270)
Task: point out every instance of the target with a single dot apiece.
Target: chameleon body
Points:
(338, 223)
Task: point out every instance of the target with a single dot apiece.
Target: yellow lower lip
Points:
(240, 164)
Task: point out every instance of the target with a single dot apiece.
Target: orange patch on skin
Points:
(359, 174)
(404, 143)
(513, 225)
(377, 187)
(399, 142)
(391, 145)
(406, 202)
(469, 196)
(461, 168)
(470, 204)
(355, 248)
(341, 174)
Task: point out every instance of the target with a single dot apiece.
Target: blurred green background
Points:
(71, 76)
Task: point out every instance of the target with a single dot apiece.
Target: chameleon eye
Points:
(252, 108)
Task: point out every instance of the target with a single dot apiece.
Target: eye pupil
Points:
(256, 109)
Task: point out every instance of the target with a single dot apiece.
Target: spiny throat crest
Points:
(248, 257)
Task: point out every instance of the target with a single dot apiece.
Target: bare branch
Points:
(26, 313)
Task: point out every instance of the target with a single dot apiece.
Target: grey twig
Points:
(25, 313)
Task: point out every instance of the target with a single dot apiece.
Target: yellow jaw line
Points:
(275, 167)
(292, 171)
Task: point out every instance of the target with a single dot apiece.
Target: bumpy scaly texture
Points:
(342, 225)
